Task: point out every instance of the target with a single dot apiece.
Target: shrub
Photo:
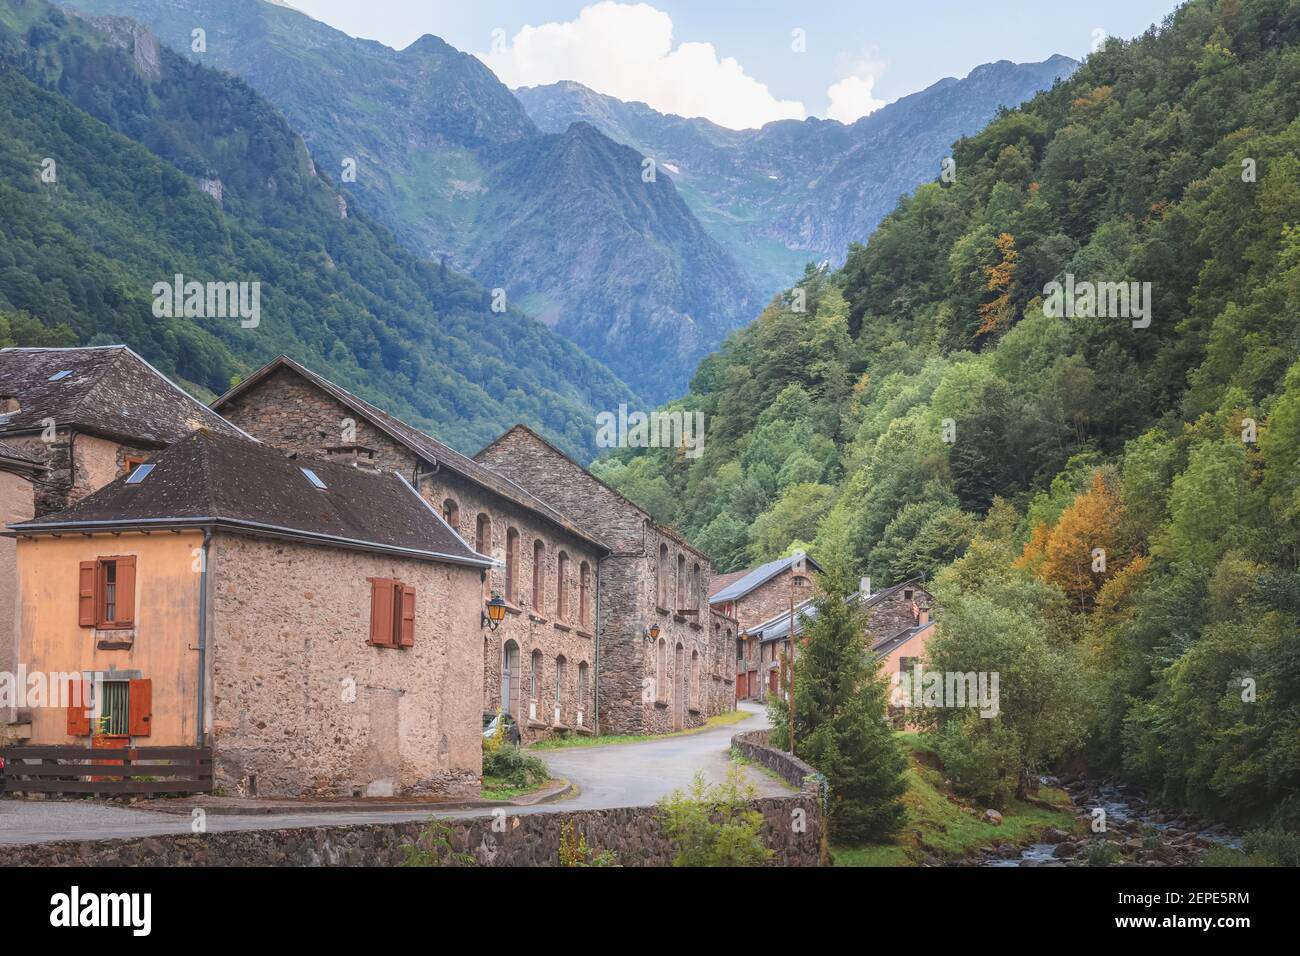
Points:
(511, 767)
(714, 825)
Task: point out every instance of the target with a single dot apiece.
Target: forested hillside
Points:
(446, 158)
(1110, 510)
(131, 130)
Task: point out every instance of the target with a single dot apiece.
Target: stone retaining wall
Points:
(753, 746)
(635, 834)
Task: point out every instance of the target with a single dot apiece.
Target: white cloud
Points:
(627, 51)
(851, 98)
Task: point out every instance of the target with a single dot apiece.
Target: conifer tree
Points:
(841, 700)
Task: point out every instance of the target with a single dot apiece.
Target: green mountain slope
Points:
(337, 291)
(438, 140)
(792, 191)
(1109, 507)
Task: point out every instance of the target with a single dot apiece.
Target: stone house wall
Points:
(894, 612)
(644, 689)
(289, 412)
(78, 464)
(302, 704)
(771, 598)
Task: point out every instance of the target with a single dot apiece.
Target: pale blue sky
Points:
(894, 48)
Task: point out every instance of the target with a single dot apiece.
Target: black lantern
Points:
(496, 612)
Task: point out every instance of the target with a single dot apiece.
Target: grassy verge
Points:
(939, 824)
(575, 740)
(499, 788)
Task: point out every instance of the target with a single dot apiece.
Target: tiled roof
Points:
(754, 577)
(17, 460)
(662, 529)
(237, 484)
(777, 627)
(108, 390)
(425, 446)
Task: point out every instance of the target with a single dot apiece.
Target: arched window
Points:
(661, 671)
(682, 601)
(562, 587)
(584, 594)
(539, 577)
(451, 513)
(535, 675)
(512, 565)
(561, 673)
(582, 686)
(661, 577)
(483, 534)
(695, 587)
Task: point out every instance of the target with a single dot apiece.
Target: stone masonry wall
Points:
(291, 413)
(771, 598)
(635, 834)
(78, 465)
(302, 703)
(643, 689)
(894, 613)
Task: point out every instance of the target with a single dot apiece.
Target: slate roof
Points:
(13, 459)
(426, 447)
(749, 580)
(215, 480)
(110, 391)
(662, 529)
(777, 627)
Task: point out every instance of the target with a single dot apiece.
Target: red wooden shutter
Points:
(406, 637)
(125, 591)
(78, 720)
(86, 593)
(140, 711)
(381, 612)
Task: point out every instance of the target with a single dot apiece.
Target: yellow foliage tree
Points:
(996, 313)
(1087, 546)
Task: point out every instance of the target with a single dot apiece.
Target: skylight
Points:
(313, 478)
(60, 376)
(140, 473)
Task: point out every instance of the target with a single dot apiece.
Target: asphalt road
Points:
(617, 775)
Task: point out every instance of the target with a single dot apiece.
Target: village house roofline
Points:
(425, 447)
(649, 519)
(776, 627)
(111, 392)
(218, 481)
(738, 587)
(11, 459)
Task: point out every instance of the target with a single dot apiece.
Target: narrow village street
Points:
(616, 775)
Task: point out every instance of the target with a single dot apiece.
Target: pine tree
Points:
(841, 701)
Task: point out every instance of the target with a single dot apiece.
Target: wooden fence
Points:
(148, 771)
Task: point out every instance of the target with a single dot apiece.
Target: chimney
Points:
(8, 404)
(865, 586)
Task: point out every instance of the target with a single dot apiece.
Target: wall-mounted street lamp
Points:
(652, 632)
(496, 612)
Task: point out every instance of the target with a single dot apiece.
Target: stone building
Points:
(90, 414)
(660, 667)
(540, 664)
(756, 595)
(316, 623)
(72, 420)
(899, 625)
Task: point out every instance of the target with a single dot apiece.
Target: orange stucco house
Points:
(316, 623)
